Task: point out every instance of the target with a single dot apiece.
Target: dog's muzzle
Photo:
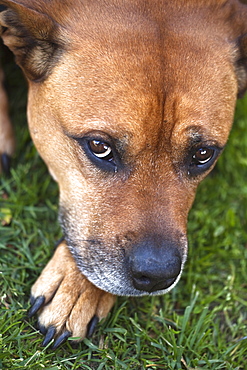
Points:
(148, 266)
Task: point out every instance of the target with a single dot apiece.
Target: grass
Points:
(201, 324)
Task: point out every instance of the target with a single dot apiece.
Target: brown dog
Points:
(130, 104)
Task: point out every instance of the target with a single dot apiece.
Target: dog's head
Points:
(130, 105)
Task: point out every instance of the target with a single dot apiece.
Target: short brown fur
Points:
(155, 81)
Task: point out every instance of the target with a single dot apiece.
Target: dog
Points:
(130, 104)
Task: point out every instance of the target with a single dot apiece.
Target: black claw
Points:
(61, 339)
(37, 303)
(42, 329)
(32, 300)
(6, 163)
(92, 326)
(51, 331)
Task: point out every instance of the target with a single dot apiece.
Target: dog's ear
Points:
(240, 27)
(242, 65)
(32, 36)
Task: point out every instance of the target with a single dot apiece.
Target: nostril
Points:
(151, 284)
(142, 280)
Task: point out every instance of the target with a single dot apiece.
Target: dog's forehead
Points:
(133, 108)
(139, 76)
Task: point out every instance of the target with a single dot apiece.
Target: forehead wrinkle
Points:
(167, 124)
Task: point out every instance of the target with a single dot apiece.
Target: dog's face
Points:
(130, 115)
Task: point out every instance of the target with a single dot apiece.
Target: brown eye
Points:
(100, 149)
(202, 156)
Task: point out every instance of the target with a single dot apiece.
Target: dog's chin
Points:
(127, 289)
(110, 273)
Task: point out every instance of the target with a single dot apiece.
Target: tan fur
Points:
(155, 79)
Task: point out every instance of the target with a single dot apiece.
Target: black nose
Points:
(154, 264)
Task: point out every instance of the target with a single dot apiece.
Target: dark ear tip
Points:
(241, 66)
(241, 94)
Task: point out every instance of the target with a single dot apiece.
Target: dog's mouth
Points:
(135, 264)
(136, 273)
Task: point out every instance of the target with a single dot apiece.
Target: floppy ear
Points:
(32, 36)
(240, 28)
(242, 66)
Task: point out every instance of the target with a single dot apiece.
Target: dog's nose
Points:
(154, 265)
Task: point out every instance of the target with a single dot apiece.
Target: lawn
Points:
(201, 324)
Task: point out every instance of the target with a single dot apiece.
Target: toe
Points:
(106, 302)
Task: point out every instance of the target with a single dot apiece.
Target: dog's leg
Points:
(66, 302)
(7, 140)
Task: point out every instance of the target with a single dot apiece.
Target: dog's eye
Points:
(101, 150)
(202, 159)
(102, 155)
(202, 156)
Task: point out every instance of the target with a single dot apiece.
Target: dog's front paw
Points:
(68, 305)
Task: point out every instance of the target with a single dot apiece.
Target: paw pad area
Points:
(50, 332)
(66, 303)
